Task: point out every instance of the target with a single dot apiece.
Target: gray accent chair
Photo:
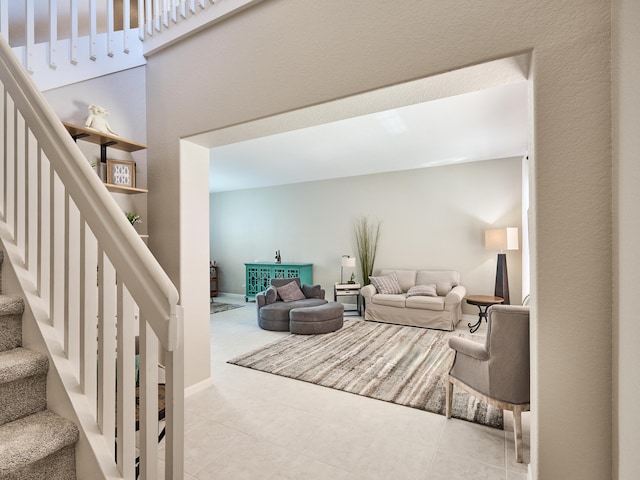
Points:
(273, 313)
(497, 372)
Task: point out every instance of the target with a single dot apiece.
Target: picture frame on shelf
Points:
(121, 173)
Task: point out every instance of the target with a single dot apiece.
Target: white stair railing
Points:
(76, 40)
(90, 277)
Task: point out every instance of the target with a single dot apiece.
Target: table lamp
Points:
(501, 239)
(347, 261)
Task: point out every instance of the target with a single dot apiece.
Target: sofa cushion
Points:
(387, 284)
(444, 280)
(397, 300)
(290, 292)
(406, 278)
(425, 303)
(279, 282)
(422, 290)
(279, 311)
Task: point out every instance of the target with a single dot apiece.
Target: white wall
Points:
(431, 218)
(280, 56)
(626, 145)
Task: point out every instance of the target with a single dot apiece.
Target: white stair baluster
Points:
(29, 44)
(126, 26)
(106, 349)
(110, 27)
(93, 29)
(157, 14)
(149, 18)
(88, 313)
(174, 11)
(148, 401)
(73, 42)
(53, 32)
(126, 417)
(19, 177)
(9, 184)
(165, 13)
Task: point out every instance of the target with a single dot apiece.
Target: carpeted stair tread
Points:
(33, 438)
(20, 363)
(11, 305)
(11, 308)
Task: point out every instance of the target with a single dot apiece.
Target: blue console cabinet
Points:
(259, 274)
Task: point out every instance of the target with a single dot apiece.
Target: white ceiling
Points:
(473, 114)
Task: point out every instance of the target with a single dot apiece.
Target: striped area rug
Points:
(403, 365)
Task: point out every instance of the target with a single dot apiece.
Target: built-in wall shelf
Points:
(114, 141)
(122, 189)
(103, 139)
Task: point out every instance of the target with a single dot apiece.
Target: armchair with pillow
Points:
(274, 304)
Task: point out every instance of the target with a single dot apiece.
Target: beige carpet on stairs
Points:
(35, 443)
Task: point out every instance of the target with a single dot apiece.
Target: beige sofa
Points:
(442, 312)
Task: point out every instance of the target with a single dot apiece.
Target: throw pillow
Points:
(312, 291)
(387, 284)
(422, 290)
(290, 292)
(443, 288)
(271, 294)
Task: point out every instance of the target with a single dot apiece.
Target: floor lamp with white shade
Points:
(502, 239)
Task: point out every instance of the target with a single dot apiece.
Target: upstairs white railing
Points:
(74, 40)
(91, 279)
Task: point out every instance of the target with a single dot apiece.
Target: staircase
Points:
(88, 287)
(35, 443)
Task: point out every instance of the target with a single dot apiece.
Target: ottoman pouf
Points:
(312, 320)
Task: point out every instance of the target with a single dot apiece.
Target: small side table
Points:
(346, 290)
(483, 302)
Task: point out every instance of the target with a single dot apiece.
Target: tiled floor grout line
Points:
(435, 450)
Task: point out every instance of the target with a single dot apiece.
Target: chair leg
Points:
(448, 396)
(517, 431)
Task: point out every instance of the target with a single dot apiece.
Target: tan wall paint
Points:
(280, 56)
(626, 196)
(194, 166)
(431, 218)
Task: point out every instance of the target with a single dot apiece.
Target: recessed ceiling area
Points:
(473, 114)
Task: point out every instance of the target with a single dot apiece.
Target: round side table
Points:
(483, 302)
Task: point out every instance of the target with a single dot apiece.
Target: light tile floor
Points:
(254, 425)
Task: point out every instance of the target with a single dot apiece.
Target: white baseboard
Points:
(198, 387)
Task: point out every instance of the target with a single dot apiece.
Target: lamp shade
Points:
(348, 261)
(501, 238)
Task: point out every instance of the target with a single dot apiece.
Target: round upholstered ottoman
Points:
(320, 319)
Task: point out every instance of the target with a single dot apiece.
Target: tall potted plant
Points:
(367, 236)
